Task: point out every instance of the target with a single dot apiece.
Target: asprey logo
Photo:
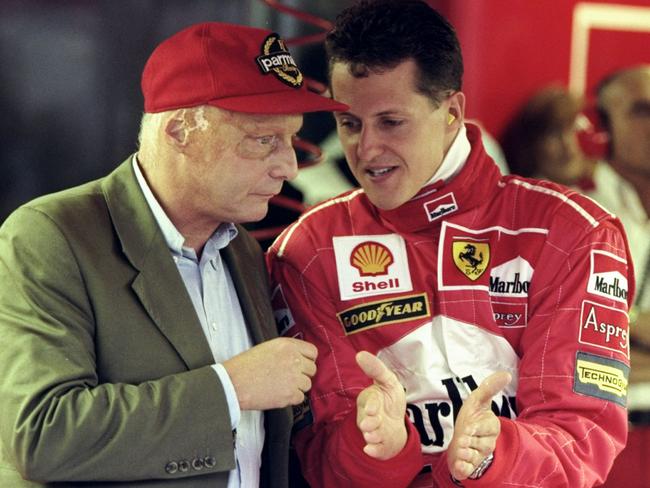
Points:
(384, 312)
(510, 315)
(604, 327)
(275, 59)
(601, 377)
(471, 257)
(608, 276)
(281, 312)
(440, 206)
(511, 278)
(371, 265)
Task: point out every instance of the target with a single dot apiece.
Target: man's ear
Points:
(176, 128)
(456, 113)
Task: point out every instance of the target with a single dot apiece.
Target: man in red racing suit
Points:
(492, 311)
(473, 275)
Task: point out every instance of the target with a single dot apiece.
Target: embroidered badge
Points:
(375, 314)
(471, 257)
(276, 60)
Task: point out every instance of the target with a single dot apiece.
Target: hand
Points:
(476, 429)
(381, 410)
(273, 374)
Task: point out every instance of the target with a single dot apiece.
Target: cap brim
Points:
(285, 102)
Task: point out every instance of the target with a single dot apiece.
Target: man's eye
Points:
(392, 122)
(267, 140)
(257, 147)
(348, 123)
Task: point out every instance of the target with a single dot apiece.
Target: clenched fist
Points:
(273, 374)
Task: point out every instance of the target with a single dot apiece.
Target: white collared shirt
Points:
(211, 289)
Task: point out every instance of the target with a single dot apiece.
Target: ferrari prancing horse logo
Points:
(471, 258)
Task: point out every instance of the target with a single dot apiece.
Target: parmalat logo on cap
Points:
(275, 59)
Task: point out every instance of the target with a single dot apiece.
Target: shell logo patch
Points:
(371, 258)
(371, 265)
(276, 60)
(471, 258)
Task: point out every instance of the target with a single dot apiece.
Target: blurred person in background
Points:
(541, 141)
(138, 340)
(456, 310)
(622, 186)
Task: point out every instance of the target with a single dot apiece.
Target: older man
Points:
(137, 334)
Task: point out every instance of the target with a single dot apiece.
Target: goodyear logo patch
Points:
(384, 312)
(601, 377)
(276, 60)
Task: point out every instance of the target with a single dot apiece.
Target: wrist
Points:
(482, 467)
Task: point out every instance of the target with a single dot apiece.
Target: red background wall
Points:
(514, 47)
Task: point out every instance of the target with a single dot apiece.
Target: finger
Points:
(304, 384)
(487, 426)
(369, 424)
(372, 405)
(372, 366)
(309, 367)
(463, 469)
(306, 349)
(489, 387)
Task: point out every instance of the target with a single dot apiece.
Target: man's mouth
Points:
(375, 173)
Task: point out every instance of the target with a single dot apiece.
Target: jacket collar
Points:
(464, 190)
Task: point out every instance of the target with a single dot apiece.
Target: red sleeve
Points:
(327, 440)
(571, 396)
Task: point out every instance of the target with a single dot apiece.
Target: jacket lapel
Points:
(158, 285)
(253, 294)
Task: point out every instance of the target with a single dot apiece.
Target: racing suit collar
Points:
(439, 199)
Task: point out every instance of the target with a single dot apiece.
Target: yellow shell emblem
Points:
(472, 258)
(371, 258)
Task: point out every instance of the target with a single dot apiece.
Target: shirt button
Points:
(183, 466)
(171, 467)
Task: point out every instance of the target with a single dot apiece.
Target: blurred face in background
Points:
(560, 156)
(627, 103)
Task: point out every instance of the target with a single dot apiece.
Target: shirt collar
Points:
(221, 238)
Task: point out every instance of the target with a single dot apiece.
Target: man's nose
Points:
(368, 144)
(285, 164)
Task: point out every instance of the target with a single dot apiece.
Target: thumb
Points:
(374, 369)
(489, 387)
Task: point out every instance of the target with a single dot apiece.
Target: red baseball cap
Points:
(237, 68)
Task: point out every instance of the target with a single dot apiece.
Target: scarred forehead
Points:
(254, 123)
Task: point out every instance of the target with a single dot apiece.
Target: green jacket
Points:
(105, 370)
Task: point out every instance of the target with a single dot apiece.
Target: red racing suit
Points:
(479, 274)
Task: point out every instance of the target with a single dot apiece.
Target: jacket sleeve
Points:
(59, 421)
(571, 396)
(327, 440)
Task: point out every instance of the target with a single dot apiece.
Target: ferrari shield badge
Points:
(471, 258)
